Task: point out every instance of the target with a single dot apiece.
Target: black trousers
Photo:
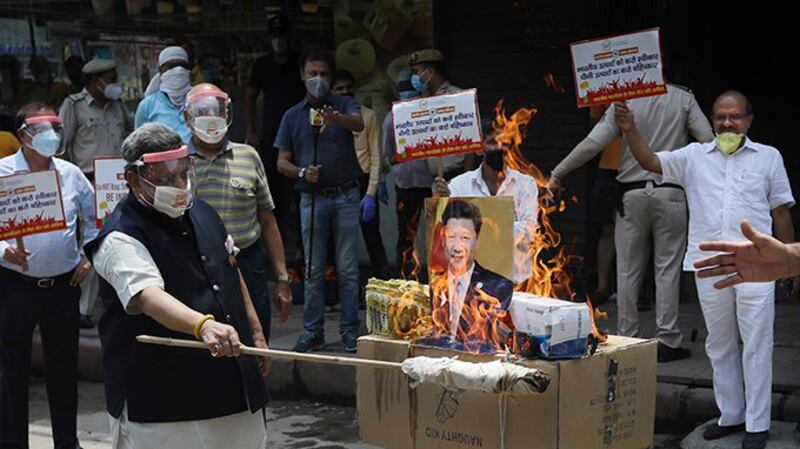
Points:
(55, 310)
(409, 205)
(371, 231)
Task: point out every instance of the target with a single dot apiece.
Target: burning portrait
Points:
(470, 268)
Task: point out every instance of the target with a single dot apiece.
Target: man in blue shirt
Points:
(166, 94)
(333, 178)
(40, 286)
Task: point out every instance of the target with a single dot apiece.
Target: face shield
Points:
(209, 115)
(46, 134)
(170, 177)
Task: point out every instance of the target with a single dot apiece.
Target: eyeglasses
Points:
(732, 117)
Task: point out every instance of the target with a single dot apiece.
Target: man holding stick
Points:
(168, 269)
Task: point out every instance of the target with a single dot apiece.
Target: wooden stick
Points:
(21, 248)
(439, 167)
(176, 342)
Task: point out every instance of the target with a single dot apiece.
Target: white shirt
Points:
(722, 190)
(525, 195)
(127, 266)
(125, 263)
(664, 121)
(457, 292)
(56, 252)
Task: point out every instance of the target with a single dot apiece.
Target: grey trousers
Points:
(660, 213)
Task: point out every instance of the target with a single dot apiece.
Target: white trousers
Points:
(243, 430)
(742, 374)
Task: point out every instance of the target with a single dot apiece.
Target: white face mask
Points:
(171, 201)
(46, 143)
(113, 91)
(210, 129)
(175, 83)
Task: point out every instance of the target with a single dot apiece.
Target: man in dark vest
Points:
(168, 268)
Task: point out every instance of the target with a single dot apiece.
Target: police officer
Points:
(95, 122)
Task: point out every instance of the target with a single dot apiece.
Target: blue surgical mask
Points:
(417, 84)
(46, 143)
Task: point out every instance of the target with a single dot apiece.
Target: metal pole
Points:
(313, 204)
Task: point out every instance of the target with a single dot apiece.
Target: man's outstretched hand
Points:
(761, 259)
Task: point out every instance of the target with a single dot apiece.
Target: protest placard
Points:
(110, 187)
(618, 68)
(30, 203)
(437, 126)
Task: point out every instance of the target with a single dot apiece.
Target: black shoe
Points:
(755, 440)
(86, 322)
(309, 341)
(667, 354)
(714, 431)
(350, 341)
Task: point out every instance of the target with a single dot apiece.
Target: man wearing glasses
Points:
(726, 181)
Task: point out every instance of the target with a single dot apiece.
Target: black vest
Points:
(163, 384)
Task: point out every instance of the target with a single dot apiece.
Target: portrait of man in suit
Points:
(465, 292)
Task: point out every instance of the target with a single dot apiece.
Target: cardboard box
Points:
(555, 329)
(583, 408)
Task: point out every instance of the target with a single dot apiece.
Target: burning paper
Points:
(398, 308)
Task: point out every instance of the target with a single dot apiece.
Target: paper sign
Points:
(437, 126)
(110, 187)
(30, 203)
(618, 68)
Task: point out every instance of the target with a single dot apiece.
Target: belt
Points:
(335, 190)
(39, 282)
(628, 186)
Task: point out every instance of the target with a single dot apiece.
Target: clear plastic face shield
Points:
(46, 135)
(209, 115)
(168, 181)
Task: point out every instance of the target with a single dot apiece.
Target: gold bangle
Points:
(200, 325)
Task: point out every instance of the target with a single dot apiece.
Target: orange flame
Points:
(549, 275)
(411, 255)
(482, 323)
(482, 318)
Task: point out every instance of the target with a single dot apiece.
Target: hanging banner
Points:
(618, 68)
(30, 203)
(110, 187)
(437, 126)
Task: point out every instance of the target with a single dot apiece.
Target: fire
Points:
(481, 325)
(411, 255)
(549, 275)
(483, 322)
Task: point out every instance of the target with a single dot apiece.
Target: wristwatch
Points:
(302, 173)
(285, 278)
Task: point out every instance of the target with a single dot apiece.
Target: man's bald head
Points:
(737, 96)
(732, 113)
(204, 87)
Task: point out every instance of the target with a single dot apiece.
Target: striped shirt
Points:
(235, 184)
